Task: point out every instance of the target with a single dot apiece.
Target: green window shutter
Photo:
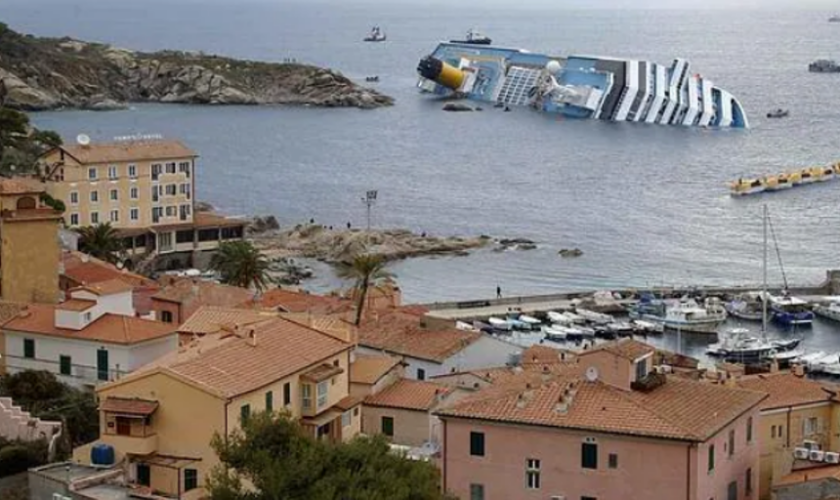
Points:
(190, 479)
(269, 401)
(388, 426)
(244, 413)
(65, 365)
(29, 348)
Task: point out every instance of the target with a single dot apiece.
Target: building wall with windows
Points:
(530, 462)
(76, 361)
(406, 427)
(157, 191)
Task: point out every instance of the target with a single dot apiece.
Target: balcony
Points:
(134, 445)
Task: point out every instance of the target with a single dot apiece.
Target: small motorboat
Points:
(621, 328)
(576, 318)
(831, 311)
(746, 306)
(500, 324)
(376, 35)
(559, 318)
(555, 333)
(474, 38)
(778, 113)
(785, 345)
(642, 326)
(372, 79)
(594, 317)
(517, 324)
(790, 311)
(460, 325)
(529, 319)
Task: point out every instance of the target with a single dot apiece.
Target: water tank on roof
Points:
(102, 454)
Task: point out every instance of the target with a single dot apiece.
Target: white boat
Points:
(460, 325)
(554, 332)
(789, 310)
(594, 317)
(810, 358)
(688, 316)
(575, 318)
(559, 318)
(529, 319)
(737, 346)
(620, 327)
(831, 311)
(787, 356)
(501, 324)
(647, 326)
(746, 306)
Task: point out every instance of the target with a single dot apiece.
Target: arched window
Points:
(26, 203)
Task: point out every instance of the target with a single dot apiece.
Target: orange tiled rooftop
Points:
(368, 369)
(126, 151)
(403, 334)
(211, 319)
(409, 395)
(785, 389)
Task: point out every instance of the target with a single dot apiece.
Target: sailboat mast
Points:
(764, 297)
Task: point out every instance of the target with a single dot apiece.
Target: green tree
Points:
(100, 241)
(365, 270)
(21, 145)
(283, 462)
(241, 264)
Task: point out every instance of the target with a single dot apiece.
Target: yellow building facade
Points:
(29, 249)
(160, 421)
(131, 184)
(798, 409)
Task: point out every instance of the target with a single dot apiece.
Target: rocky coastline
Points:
(49, 73)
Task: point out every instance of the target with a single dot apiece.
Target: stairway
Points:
(16, 424)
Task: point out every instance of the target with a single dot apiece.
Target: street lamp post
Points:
(369, 200)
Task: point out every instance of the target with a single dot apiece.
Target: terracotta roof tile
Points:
(130, 406)
(368, 369)
(10, 310)
(626, 348)
(322, 372)
(348, 402)
(294, 302)
(115, 152)
(76, 305)
(209, 319)
(205, 293)
(785, 389)
(236, 366)
(409, 395)
(111, 328)
(86, 270)
(539, 354)
(403, 334)
(811, 474)
(20, 185)
(679, 409)
(108, 287)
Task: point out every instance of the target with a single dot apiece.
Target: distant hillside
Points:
(49, 73)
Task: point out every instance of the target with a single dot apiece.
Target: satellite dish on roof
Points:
(592, 374)
(120, 265)
(83, 139)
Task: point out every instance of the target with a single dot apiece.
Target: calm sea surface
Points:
(648, 205)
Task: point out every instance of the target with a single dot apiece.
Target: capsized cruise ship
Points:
(581, 86)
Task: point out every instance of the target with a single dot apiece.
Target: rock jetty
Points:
(49, 73)
(340, 245)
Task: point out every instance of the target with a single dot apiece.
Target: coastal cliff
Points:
(49, 73)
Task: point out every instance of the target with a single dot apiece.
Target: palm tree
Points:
(366, 270)
(100, 241)
(241, 264)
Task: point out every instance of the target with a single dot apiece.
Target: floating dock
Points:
(785, 180)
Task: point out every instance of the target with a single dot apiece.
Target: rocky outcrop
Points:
(42, 73)
(333, 245)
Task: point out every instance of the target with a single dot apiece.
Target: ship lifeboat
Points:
(777, 183)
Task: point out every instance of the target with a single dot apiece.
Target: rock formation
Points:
(46, 73)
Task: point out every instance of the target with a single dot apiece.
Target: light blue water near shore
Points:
(648, 205)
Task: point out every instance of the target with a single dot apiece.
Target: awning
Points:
(322, 372)
(348, 403)
(129, 406)
(326, 417)
(170, 461)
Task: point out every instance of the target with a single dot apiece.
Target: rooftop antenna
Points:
(83, 139)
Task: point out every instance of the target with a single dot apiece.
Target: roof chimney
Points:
(252, 334)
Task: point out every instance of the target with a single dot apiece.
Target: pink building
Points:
(615, 428)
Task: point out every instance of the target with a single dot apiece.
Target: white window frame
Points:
(94, 196)
(112, 172)
(323, 393)
(532, 473)
(93, 173)
(134, 213)
(115, 215)
(347, 418)
(94, 218)
(132, 171)
(114, 195)
(306, 396)
(74, 197)
(134, 193)
(174, 167)
(810, 426)
(74, 219)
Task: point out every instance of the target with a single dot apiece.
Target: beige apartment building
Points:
(143, 187)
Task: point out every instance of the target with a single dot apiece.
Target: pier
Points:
(481, 309)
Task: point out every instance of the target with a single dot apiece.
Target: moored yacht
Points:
(830, 311)
(746, 306)
(685, 315)
(789, 310)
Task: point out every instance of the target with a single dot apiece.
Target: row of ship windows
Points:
(157, 169)
(182, 212)
(134, 193)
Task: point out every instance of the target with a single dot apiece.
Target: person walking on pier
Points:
(498, 292)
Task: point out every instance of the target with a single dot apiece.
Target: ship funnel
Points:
(440, 72)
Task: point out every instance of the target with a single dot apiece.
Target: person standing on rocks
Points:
(498, 292)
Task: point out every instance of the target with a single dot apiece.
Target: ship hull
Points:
(584, 87)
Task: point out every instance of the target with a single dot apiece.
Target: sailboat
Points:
(738, 345)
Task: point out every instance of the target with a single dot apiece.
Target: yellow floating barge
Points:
(785, 180)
